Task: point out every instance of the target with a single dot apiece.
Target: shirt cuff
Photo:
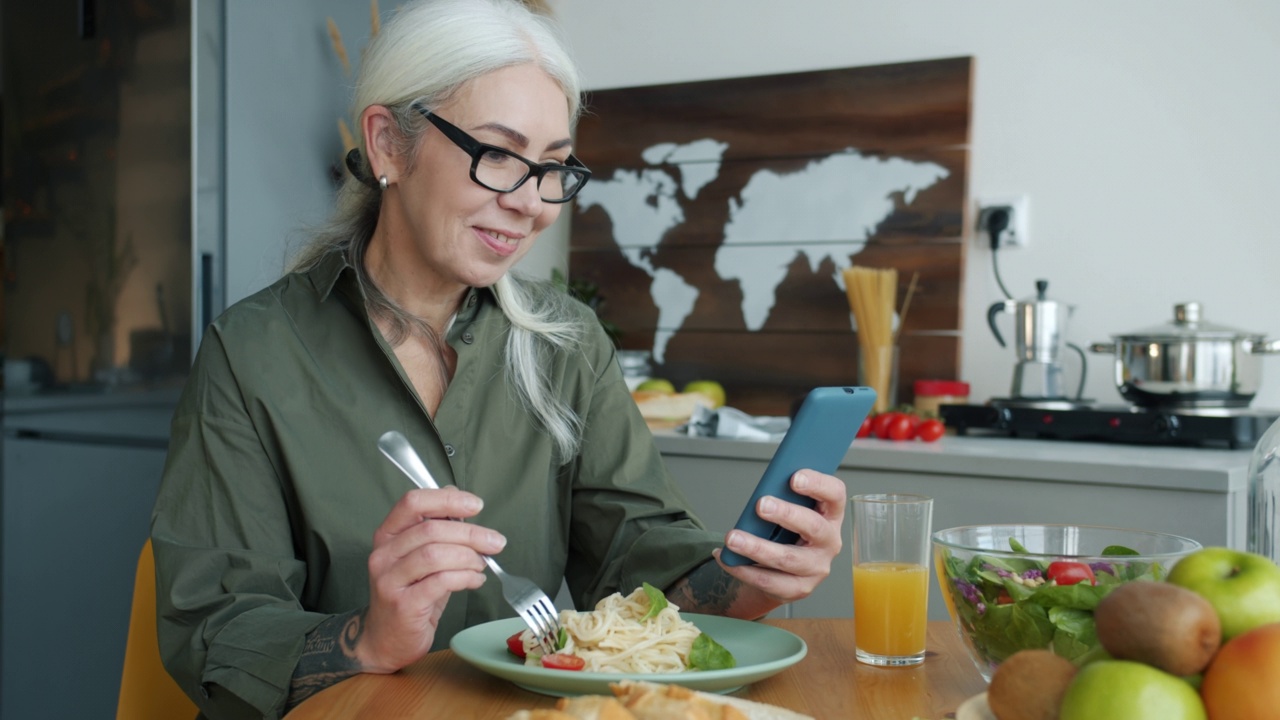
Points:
(254, 657)
(663, 555)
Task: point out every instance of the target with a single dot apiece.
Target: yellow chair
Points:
(147, 692)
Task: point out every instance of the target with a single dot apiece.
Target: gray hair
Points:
(425, 54)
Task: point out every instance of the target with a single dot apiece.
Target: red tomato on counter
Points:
(930, 430)
(563, 661)
(1067, 572)
(903, 427)
(880, 424)
(865, 429)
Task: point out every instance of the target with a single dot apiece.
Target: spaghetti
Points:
(622, 635)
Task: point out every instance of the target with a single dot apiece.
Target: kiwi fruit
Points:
(1160, 624)
(1029, 685)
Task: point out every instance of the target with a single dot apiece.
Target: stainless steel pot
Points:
(1188, 363)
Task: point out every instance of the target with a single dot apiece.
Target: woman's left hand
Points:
(786, 573)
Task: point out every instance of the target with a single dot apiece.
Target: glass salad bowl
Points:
(1015, 587)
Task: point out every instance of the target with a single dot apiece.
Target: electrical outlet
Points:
(1018, 206)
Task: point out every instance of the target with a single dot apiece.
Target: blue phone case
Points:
(818, 439)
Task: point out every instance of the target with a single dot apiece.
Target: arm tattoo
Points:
(706, 589)
(328, 656)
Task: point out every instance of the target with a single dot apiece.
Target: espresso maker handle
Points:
(992, 312)
(1084, 368)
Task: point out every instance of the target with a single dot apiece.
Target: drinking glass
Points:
(890, 577)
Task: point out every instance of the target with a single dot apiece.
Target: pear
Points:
(1160, 624)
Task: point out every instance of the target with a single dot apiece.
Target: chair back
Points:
(147, 692)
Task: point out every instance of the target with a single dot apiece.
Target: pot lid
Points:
(1188, 324)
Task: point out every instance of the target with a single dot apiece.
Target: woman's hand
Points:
(786, 573)
(421, 555)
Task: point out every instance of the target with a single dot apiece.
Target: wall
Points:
(285, 91)
(1142, 132)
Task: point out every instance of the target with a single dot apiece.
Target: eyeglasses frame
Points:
(477, 149)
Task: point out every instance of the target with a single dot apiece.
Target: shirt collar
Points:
(333, 267)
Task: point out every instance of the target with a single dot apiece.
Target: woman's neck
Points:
(413, 287)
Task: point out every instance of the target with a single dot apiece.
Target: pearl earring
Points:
(382, 182)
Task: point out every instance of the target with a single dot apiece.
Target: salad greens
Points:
(1009, 604)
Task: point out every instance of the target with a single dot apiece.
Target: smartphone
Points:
(818, 438)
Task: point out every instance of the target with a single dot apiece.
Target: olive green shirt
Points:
(274, 484)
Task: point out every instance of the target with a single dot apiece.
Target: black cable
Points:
(997, 223)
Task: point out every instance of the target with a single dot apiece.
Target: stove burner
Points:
(1043, 403)
(1229, 427)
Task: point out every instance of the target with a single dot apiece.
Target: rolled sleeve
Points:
(230, 623)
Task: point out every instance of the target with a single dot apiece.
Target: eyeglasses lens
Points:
(504, 173)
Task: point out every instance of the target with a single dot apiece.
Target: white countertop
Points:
(1186, 468)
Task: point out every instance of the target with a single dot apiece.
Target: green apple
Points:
(1242, 586)
(1127, 690)
(656, 385)
(712, 389)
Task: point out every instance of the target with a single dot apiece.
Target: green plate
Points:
(761, 650)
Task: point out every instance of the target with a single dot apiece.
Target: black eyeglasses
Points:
(503, 171)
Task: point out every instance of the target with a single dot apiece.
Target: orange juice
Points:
(889, 607)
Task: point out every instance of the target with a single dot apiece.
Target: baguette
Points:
(652, 701)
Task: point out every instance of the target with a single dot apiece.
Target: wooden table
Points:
(827, 683)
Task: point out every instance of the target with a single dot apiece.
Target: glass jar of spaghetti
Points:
(932, 394)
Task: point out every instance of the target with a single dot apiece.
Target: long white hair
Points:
(425, 54)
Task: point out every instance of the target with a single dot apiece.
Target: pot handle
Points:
(1263, 347)
(1108, 348)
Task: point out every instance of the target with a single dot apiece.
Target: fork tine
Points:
(541, 633)
(549, 609)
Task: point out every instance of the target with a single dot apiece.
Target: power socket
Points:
(1018, 207)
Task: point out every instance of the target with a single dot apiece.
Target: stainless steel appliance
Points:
(1039, 338)
(1189, 362)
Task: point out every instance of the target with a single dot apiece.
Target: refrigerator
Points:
(111, 223)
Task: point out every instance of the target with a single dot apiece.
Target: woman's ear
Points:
(379, 129)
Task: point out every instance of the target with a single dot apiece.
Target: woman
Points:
(290, 554)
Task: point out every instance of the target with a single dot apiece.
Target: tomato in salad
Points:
(515, 645)
(1067, 572)
(563, 661)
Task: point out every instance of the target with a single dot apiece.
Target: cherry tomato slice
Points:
(515, 645)
(865, 429)
(930, 430)
(1003, 598)
(903, 427)
(1067, 572)
(563, 661)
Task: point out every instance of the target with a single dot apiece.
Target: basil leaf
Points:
(1016, 546)
(657, 601)
(707, 654)
(562, 639)
(1118, 550)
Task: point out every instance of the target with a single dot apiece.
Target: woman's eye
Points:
(493, 157)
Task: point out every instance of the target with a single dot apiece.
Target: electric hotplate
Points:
(1209, 427)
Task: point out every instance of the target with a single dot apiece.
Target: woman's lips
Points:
(498, 241)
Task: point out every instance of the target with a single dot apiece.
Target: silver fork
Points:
(530, 603)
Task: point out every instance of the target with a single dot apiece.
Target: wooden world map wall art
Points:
(721, 214)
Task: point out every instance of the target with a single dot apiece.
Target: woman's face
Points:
(449, 231)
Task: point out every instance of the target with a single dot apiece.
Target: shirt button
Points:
(448, 450)
(471, 301)
(468, 338)
(204, 691)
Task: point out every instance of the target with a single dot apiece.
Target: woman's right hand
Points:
(421, 555)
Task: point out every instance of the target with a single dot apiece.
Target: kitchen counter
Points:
(1199, 493)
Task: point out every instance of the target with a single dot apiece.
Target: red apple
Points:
(1243, 681)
